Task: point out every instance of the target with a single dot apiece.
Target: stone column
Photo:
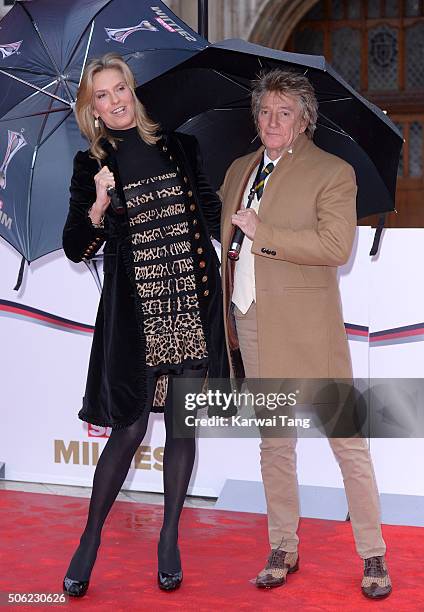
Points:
(227, 18)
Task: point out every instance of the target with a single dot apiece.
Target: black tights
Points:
(111, 470)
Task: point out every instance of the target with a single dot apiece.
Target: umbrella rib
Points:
(335, 100)
(341, 131)
(34, 157)
(22, 69)
(232, 80)
(86, 51)
(38, 89)
(47, 50)
(19, 233)
(43, 88)
(230, 109)
(55, 128)
(53, 110)
(338, 129)
(31, 177)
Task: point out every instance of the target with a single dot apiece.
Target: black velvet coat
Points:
(116, 384)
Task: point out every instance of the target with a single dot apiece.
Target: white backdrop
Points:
(44, 357)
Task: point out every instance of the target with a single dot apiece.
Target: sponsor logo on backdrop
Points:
(96, 431)
(121, 34)
(88, 453)
(10, 49)
(169, 24)
(4, 218)
(15, 141)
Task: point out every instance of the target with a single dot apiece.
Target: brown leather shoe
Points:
(279, 564)
(376, 582)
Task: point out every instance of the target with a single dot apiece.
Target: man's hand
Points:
(247, 220)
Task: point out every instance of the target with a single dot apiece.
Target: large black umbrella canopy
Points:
(44, 46)
(214, 100)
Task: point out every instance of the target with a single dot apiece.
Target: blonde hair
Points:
(147, 128)
(291, 83)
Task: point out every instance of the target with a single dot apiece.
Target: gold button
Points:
(204, 279)
(197, 235)
(177, 168)
(194, 221)
(206, 292)
(192, 206)
(185, 179)
(171, 158)
(200, 250)
(189, 193)
(98, 239)
(202, 264)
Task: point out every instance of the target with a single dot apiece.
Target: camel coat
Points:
(307, 227)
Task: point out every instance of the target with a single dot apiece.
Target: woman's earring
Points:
(96, 123)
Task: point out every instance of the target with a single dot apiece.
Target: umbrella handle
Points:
(20, 275)
(377, 235)
(115, 201)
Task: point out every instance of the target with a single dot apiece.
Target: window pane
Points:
(400, 167)
(346, 48)
(415, 57)
(415, 149)
(373, 8)
(391, 8)
(354, 9)
(309, 41)
(316, 13)
(382, 58)
(412, 8)
(337, 9)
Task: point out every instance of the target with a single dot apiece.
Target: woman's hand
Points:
(104, 180)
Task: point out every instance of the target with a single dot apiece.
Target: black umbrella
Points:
(214, 101)
(44, 46)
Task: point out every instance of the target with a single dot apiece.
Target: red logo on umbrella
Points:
(121, 34)
(15, 141)
(10, 48)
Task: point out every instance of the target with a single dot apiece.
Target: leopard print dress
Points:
(163, 262)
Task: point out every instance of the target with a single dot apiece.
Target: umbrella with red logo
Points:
(44, 47)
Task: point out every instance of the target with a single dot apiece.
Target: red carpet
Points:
(220, 550)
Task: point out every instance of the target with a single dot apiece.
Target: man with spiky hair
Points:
(283, 303)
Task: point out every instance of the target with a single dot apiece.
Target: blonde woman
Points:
(159, 316)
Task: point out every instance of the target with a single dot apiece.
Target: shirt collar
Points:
(268, 160)
(297, 142)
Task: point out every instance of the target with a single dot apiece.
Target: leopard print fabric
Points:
(164, 273)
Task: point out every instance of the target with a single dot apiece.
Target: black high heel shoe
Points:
(82, 564)
(169, 581)
(75, 588)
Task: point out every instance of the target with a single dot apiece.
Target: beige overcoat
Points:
(307, 227)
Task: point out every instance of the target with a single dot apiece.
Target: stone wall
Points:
(227, 18)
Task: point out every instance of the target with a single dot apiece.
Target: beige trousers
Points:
(278, 466)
